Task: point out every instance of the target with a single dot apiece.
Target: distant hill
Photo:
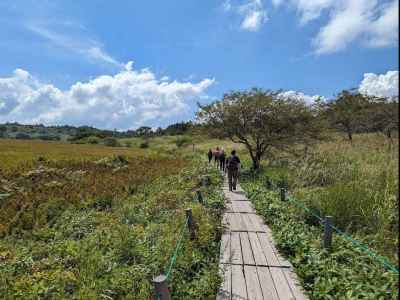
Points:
(72, 133)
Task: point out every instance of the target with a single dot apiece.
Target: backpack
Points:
(233, 163)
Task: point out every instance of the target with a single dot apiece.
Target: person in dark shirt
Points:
(210, 155)
(222, 158)
(233, 166)
(216, 157)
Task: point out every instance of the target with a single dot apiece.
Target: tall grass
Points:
(355, 183)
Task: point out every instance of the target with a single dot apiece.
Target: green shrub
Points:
(93, 140)
(145, 144)
(182, 141)
(111, 142)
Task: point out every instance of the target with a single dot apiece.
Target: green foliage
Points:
(145, 144)
(110, 248)
(345, 273)
(263, 121)
(182, 141)
(111, 142)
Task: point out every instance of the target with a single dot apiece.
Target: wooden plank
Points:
(258, 223)
(225, 220)
(224, 292)
(236, 249)
(242, 207)
(252, 283)
(267, 284)
(237, 222)
(294, 285)
(281, 285)
(239, 290)
(259, 257)
(247, 253)
(266, 247)
(249, 225)
(225, 248)
(237, 196)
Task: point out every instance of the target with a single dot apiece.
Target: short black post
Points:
(327, 239)
(283, 194)
(161, 290)
(190, 223)
(199, 197)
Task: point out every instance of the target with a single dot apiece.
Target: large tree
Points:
(383, 115)
(261, 120)
(348, 112)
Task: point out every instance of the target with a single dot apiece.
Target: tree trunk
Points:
(256, 163)
(350, 136)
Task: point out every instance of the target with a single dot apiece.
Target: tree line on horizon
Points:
(266, 122)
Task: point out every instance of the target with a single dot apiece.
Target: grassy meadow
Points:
(89, 221)
(96, 222)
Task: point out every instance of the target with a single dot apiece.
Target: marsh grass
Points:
(355, 183)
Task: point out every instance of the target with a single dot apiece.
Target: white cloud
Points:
(252, 13)
(127, 99)
(301, 96)
(383, 85)
(374, 23)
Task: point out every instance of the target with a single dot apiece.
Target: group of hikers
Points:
(230, 165)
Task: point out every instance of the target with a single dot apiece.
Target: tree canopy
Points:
(262, 120)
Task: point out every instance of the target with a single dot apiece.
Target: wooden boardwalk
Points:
(249, 262)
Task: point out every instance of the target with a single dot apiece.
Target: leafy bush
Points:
(93, 140)
(22, 136)
(182, 141)
(145, 144)
(111, 142)
(47, 137)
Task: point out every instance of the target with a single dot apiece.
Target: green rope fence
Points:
(347, 237)
(177, 248)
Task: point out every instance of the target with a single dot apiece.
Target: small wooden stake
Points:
(190, 223)
(161, 290)
(283, 194)
(199, 197)
(327, 239)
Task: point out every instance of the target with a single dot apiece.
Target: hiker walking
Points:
(210, 155)
(216, 156)
(233, 166)
(222, 158)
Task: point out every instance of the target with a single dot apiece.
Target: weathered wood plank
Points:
(258, 222)
(259, 257)
(224, 292)
(252, 283)
(267, 284)
(266, 247)
(236, 249)
(281, 285)
(294, 284)
(247, 253)
(237, 222)
(225, 248)
(249, 225)
(239, 290)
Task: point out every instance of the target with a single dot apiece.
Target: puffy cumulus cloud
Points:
(252, 13)
(382, 85)
(374, 23)
(301, 96)
(125, 100)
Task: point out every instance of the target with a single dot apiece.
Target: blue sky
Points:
(66, 61)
